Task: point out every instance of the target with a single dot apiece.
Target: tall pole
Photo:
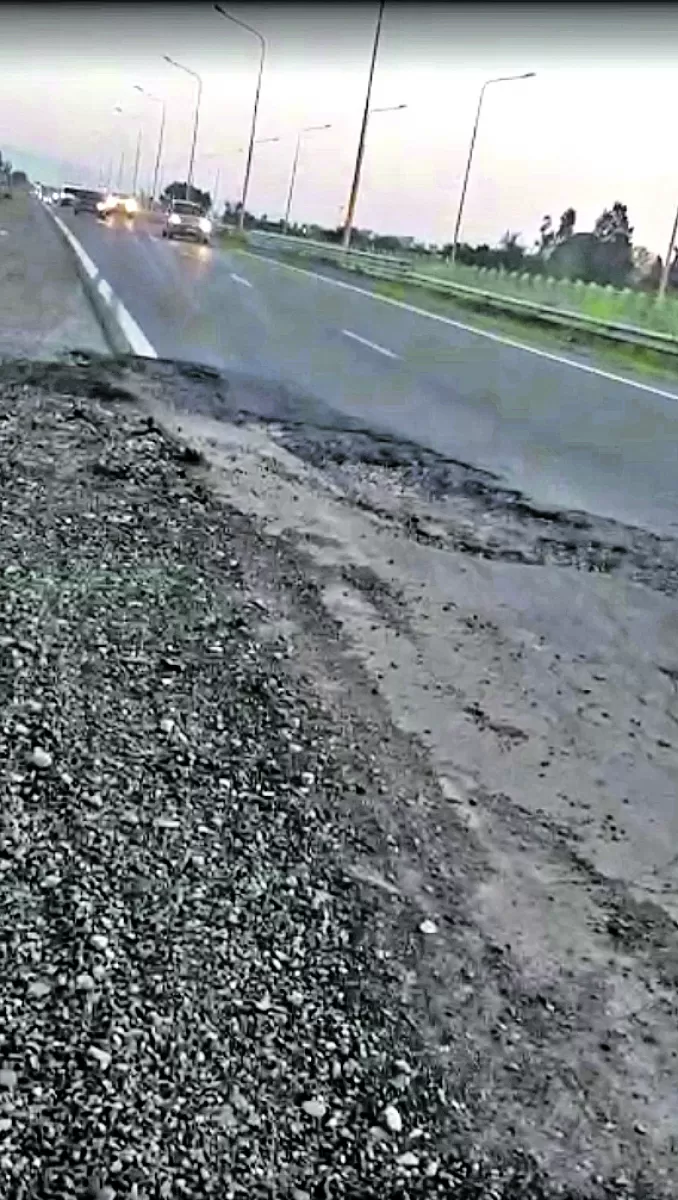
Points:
(158, 156)
(253, 130)
(295, 164)
(121, 168)
(137, 156)
(196, 118)
(350, 212)
(666, 268)
(469, 160)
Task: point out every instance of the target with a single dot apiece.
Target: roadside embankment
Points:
(43, 309)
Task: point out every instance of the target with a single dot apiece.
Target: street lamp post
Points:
(137, 156)
(196, 119)
(158, 157)
(262, 59)
(215, 188)
(666, 267)
(355, 185)
(462, 198)
(371, 111)
(295, 164)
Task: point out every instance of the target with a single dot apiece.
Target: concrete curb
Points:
(121, 330)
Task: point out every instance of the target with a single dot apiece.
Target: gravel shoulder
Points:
(327, 859)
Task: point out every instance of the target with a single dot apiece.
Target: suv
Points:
(187, 220)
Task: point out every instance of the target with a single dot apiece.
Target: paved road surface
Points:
(564, 436)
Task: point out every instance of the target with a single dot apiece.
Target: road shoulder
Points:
(44, 311)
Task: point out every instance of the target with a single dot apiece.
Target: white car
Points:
(187, 220)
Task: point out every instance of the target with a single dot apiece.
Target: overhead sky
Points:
(591, 128)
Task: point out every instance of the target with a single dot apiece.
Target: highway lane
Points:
(566, 437)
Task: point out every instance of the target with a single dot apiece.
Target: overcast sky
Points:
(590, 129)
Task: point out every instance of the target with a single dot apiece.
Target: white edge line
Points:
(240, 279)
(135, 336)
(371, 345)
(484, 333)
(73, 242)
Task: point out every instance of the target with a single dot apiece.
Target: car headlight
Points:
(131, 205)
(205, 225)
(101, 205)
(175, 219)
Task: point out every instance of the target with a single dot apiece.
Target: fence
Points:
(654, 323)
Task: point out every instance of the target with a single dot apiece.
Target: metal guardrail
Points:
(384, 266)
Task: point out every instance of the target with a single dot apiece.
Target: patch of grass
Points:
(623, 305)
(232, 239)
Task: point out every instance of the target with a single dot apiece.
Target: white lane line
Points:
(371, 345)
(240, 279)
(483, 333)
(82, 255)
(136, 338)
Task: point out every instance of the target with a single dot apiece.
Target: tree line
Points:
(605, 254)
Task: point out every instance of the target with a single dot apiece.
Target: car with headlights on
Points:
(187, 220)
(89, 200)
(121, 204)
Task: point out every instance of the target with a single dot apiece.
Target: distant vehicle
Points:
(80, 199)
(187, 220)
(118, 202)
(67, 195)
(89, 200)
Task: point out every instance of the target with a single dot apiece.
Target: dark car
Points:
(89, 200)
(80, 199)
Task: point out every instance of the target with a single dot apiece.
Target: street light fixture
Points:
(156, 170)
(295, 164)
(191, 157)
(462, 198)
(262, 59)
(355, 185)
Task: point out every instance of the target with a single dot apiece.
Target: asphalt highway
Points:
(564, 432)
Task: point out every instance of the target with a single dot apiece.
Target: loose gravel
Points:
(193, 1002)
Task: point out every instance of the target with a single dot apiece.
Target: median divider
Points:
(123, 333)
(393, 269)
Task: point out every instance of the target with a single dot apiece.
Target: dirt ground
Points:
(531, 658)
(517, 670)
